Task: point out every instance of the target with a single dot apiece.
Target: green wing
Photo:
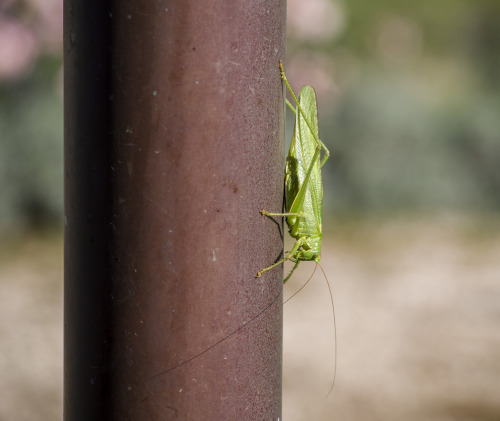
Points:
(303, 184)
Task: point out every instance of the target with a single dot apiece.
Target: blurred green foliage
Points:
(395, 150)
(413, 122)
(31, 148)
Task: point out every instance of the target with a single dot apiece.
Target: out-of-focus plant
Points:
(31, 136)
(408, 99)
(408, 96)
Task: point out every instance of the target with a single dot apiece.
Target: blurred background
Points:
(31, 200)
(409, 107)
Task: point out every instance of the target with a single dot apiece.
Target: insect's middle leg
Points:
(263, 212)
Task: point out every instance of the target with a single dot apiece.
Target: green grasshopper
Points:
(303, 183)
(303, 197)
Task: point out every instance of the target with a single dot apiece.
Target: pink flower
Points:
(18, 48)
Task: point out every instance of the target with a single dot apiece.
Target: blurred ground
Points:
(31, 328)
(418, 315)
(417, 306)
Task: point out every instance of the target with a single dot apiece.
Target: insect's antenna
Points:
(333, 314)
(301, 288)
(221, 340)
(334, 331)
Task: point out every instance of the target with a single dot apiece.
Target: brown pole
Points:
(173, 143)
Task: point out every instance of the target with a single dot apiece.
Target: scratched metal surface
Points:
(174, 142)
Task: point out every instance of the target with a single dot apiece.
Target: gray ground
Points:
(418, 325)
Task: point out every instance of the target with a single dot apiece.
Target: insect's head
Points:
(310, 255)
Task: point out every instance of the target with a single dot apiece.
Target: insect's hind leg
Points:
(321, 145)
(290, 106)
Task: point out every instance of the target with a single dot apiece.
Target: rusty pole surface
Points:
(173, 143)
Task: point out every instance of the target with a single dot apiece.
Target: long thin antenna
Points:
(333, 314)
(221, 340)
(236, 330)
(334, 331)
(260, 314)
(302, 287)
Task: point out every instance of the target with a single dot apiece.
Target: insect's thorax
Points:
(310, 248)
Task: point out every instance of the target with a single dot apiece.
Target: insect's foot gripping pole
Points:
(266, 213)
(282, 71)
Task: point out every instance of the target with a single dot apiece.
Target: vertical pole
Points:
(173, 143)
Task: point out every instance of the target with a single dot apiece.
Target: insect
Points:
(303, 183)
(304, 190)
(303, 198)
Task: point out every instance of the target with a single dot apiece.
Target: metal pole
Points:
(173, 143)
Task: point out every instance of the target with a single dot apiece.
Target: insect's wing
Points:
(303, 184)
